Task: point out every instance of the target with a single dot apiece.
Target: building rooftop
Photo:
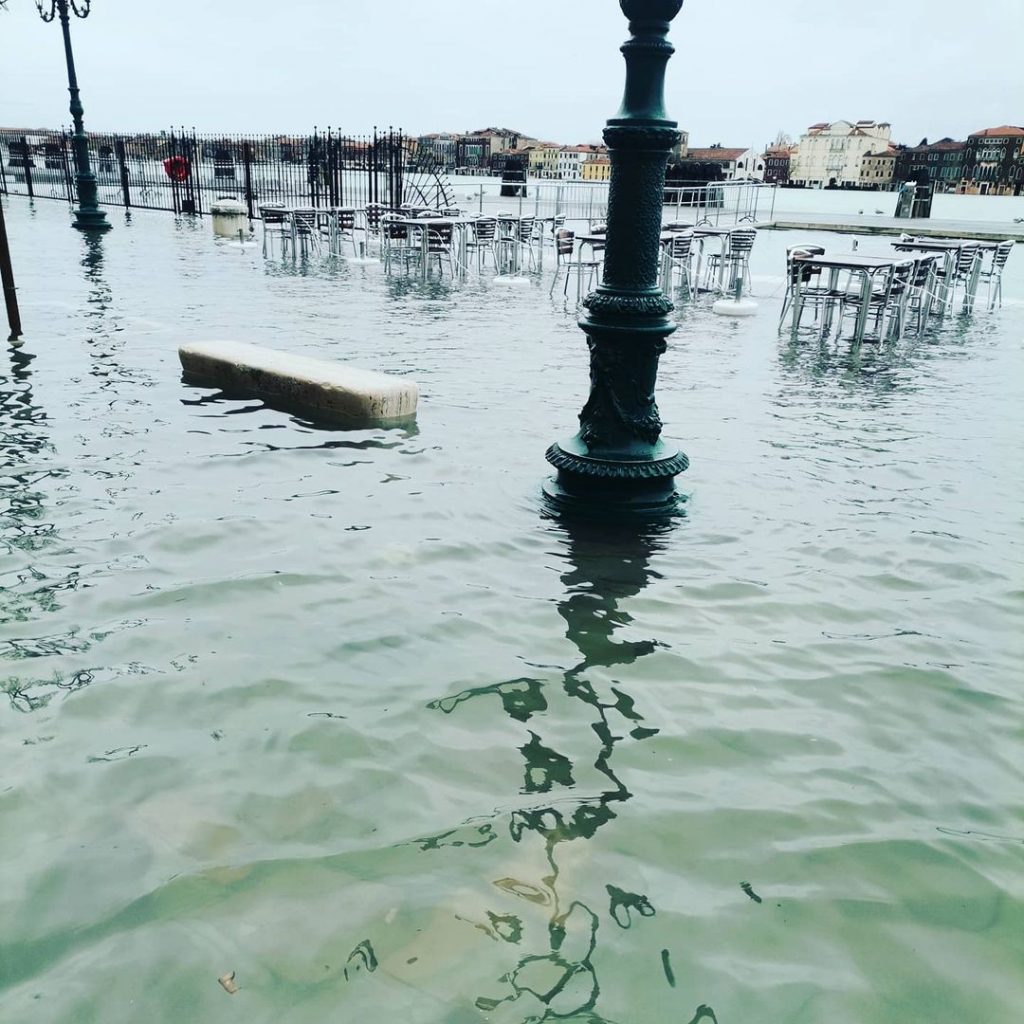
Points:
(716, 153)
(1006, 129)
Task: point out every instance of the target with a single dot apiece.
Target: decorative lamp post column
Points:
(617, 465)
(88, 216)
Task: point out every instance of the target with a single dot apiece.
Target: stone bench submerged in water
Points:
(318, 388)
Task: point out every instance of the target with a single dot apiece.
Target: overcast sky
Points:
(743, 69)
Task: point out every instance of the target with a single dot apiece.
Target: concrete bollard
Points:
(317, 388)
(228, 216)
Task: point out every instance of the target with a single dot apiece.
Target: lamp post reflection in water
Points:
(88, 216)
(557, 979)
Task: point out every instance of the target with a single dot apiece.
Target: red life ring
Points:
(176, 168)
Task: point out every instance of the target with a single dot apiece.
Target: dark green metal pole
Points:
(617, 465)
(88, 216)
(7, 280)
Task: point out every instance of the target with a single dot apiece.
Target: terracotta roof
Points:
(715, 153)
(1006, 129)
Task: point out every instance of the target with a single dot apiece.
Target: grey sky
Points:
(743, 70)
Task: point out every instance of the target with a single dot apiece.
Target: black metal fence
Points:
(184, 172)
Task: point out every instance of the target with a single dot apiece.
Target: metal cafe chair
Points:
(994, 274)
(525, 238)
(597, 244)
(882, 298)
(483, 234)
(734, 260)
(395, 244)
(305, 231)
(340, 226)
(557, 223)
(440, 246)
(565, 247)
(960, 272)
(275, 222)
(677, 252)
(918, 296)
(812, 294)
(372, 214)
(507, 242)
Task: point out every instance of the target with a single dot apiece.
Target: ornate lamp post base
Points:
(641, 486)
(91, 219)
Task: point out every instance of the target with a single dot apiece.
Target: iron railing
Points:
(183, 172)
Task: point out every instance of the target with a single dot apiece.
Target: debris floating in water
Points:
(749, 890)
(227, 982)
(667, 967)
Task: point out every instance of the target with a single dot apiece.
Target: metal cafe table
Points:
(950, 248)
(723, 235)
(460, 227)
(857, 264)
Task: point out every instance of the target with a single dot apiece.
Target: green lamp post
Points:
(617, 465)
(88, 216)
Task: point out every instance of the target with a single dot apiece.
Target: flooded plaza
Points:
(345, 715)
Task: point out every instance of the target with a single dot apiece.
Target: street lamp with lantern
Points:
(88, 216)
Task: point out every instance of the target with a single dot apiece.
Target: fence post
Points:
(175, 185)
(7, 279)
(122, 165)
(26, 163)
(191, 203)
(371, 164)
(247, 168)
(65, 165)
(400, 183)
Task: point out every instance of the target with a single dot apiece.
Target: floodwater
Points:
(343, 714)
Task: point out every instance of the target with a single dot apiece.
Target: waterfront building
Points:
(831, 154)
(735, 162)
(571, 159)
(776, 161)
(473, 152)
(993, 162)
(502, 140)
(542, 159)
(940, 163)
(877, 169)
(597, 168)
(439, 145)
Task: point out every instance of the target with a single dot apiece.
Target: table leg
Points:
(721, 263)
(972, 285)
(829, 306)
(948, 265)
(424, 250)
(798, 301)
(862, 313)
